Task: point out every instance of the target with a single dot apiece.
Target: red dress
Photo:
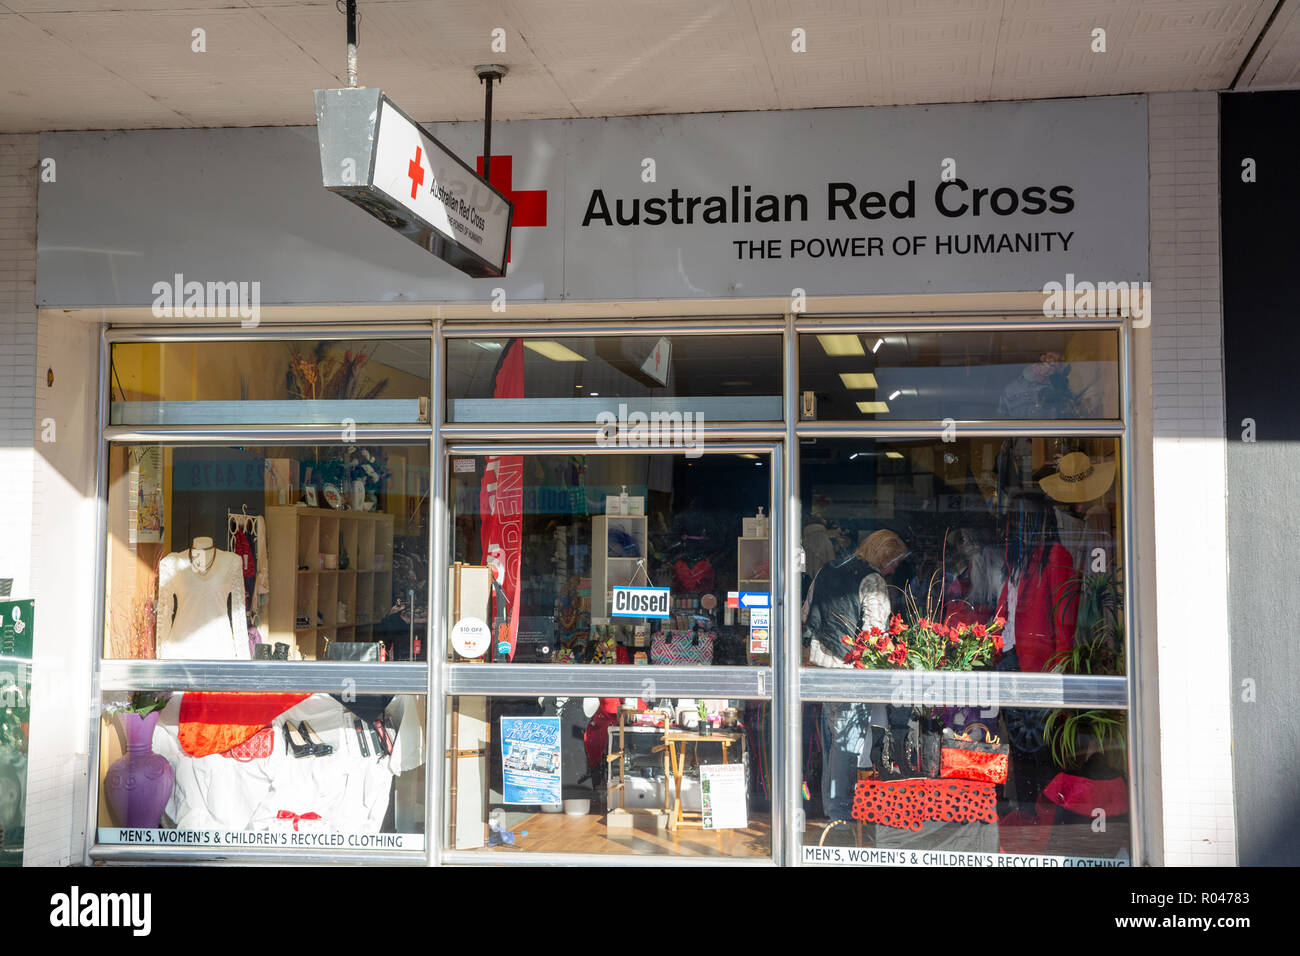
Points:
(1046, 606)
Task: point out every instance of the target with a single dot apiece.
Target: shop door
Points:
(609, 695)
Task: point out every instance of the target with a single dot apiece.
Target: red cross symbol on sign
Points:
(530, 204)
(415, 171)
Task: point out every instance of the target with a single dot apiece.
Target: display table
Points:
(675, 742)
(923, 813)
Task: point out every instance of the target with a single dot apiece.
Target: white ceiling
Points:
(124, 64)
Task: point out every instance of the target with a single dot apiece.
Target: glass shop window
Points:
(262, 771)
(961, 785)
(719, 378)
(604, 559)
(268, 553)
(979, 553)
(670, 776)
(965, 376)
(259, 382)
(979, 557)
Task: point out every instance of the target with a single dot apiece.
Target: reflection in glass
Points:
(965, 376)
(575, 379)
(688, 777)
(285, 552)
(257, 381)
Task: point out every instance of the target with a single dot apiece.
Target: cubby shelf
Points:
(297, 537)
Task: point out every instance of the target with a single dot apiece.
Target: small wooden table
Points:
(675, 739)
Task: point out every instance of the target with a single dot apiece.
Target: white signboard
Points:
(955, 198)
(639, 602)
(289, 833)
(722, 796)
(867, 856)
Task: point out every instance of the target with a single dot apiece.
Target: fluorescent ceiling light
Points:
(488, 346)
(895, 393)
(746, 455)
(838, 345)
(893, 454)
(873, 408)
(876, 348)
(856, 380)
(553, 351)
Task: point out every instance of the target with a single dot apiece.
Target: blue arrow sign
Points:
(753, 599)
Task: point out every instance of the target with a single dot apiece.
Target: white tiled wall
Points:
(47, 511)
(18, 171)
(1189, 480)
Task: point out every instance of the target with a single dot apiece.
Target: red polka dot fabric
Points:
(907, 804)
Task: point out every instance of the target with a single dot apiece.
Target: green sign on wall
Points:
(16, 627)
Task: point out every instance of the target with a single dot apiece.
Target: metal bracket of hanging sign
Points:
(374, 155)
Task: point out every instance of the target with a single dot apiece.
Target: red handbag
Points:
(961, 758)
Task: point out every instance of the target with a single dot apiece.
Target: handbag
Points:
(961, 758)
(682, 647)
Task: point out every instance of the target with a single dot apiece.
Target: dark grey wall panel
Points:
(1261, 252)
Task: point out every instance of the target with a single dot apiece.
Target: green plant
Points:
(1073, 735)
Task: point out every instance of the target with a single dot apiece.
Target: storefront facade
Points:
(774, 363)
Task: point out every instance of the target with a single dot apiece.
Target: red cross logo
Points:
(530, 204)
(416, 172)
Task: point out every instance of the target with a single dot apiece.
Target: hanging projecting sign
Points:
(379, 158)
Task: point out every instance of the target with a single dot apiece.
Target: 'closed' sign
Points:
(640, 602)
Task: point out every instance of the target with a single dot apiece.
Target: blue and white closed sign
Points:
(639, 602)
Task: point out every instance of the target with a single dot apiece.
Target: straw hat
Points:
(882, 547)
(1078, 479)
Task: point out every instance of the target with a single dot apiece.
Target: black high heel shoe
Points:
(300, 747)
(319, 749)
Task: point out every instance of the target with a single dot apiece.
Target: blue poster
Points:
(530, 759)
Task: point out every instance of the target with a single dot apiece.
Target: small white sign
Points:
(722, 796)
(462, 466)
(471, 637)
(640, 602)
(760, 630)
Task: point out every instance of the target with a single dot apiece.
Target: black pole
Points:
(352, 43)
(487, 132)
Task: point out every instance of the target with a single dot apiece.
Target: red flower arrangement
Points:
(925, 645)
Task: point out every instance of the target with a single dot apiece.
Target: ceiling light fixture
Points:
(554, 351)
(857, 380)
(841, 345)
(876, 348)
(873, 408)
(895, 393)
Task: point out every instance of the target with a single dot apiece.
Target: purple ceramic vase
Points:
(139, 784)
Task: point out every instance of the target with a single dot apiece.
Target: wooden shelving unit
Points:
(306, 615)
(611, 565)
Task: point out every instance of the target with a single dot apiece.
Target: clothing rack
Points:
(254, 526)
